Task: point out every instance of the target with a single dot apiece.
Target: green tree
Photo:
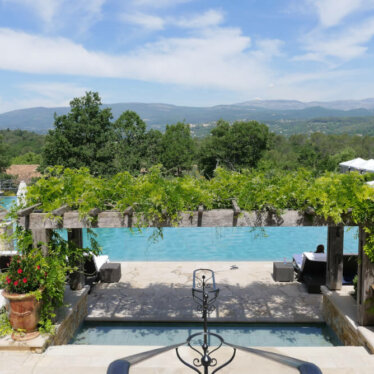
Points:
(21, 141)
(4, 155)
(82, 138)
(130, 132)
(153, 148)
(235, 147)
(178, 148)
(29, 158)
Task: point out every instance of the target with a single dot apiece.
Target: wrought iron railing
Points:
(205, 293)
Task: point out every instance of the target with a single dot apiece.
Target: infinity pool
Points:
(248, 335)
(214, 244)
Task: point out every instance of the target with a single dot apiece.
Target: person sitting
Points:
(320, 248)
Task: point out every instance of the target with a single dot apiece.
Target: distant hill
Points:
(271, 112)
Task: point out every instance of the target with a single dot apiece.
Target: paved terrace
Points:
(161, 291)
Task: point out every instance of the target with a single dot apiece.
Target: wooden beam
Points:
(365, 293)
(334, 268)
(129, 211)
(26, 211)
(24, 215)
(94, 212)
(111, 219)
(236, 210)
(72, 220)
(60, 211)
(200, 212)
(200, 218)
(310, 211)
(217, 217)
(40, 239)
(44, 221)
(77, 279)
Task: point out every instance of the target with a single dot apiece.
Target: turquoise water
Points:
(7, 201)
(244, 335)
(214, 244)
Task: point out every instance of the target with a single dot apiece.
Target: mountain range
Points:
(40, 119)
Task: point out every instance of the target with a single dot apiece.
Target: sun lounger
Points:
(92, 267)
(311, 269)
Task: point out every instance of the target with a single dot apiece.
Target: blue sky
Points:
(184, 52)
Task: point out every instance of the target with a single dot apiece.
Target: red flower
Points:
(15, 283)
(38, 267)
(8, 280)
(24, 280)
(19, 271)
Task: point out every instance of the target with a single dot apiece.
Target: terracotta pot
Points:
(23, 311)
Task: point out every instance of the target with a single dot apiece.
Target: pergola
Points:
(41, 225)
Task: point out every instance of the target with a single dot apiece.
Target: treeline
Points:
(327, 125)
(88, 137)
(20, 147)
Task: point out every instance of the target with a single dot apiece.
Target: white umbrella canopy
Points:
(355, 164)
(21, 194)
(368, 166)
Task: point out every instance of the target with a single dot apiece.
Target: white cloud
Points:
(217, 58)
(159, 3)
(53, 12)
(143, 20)
(346, 44)
(210, 18)
(332, 12)
(207, 19)
(45, 9)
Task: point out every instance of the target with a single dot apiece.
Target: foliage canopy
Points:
(333, 196)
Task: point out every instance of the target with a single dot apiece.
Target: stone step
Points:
(74, 359)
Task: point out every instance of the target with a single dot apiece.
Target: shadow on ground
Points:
(257, 302)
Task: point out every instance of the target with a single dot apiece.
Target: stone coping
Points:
(347, 307)
(78, 359)
(39, 344)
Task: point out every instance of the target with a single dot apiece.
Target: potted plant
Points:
(23, 285)
(33, 286)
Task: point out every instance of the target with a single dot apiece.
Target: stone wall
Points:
(339, 313)
(71, 316)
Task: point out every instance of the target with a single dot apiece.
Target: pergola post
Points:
(334, 269)
(41, 236)
(77, 279)
(365, 292)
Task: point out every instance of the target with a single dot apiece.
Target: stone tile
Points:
(162, 291)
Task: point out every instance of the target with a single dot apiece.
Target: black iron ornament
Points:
(205, 293)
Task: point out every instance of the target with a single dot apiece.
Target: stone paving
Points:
(95, 360)
(161, 291)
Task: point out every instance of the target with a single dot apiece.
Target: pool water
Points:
(7, 201)
(212, 243)
(216, 244)
(247, 335)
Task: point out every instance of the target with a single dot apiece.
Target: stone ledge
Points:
(69, 317)
(340, 312)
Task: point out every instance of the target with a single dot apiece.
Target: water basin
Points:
(248, 335)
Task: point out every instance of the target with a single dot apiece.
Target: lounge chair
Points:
(92, 267)
(311, 269)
